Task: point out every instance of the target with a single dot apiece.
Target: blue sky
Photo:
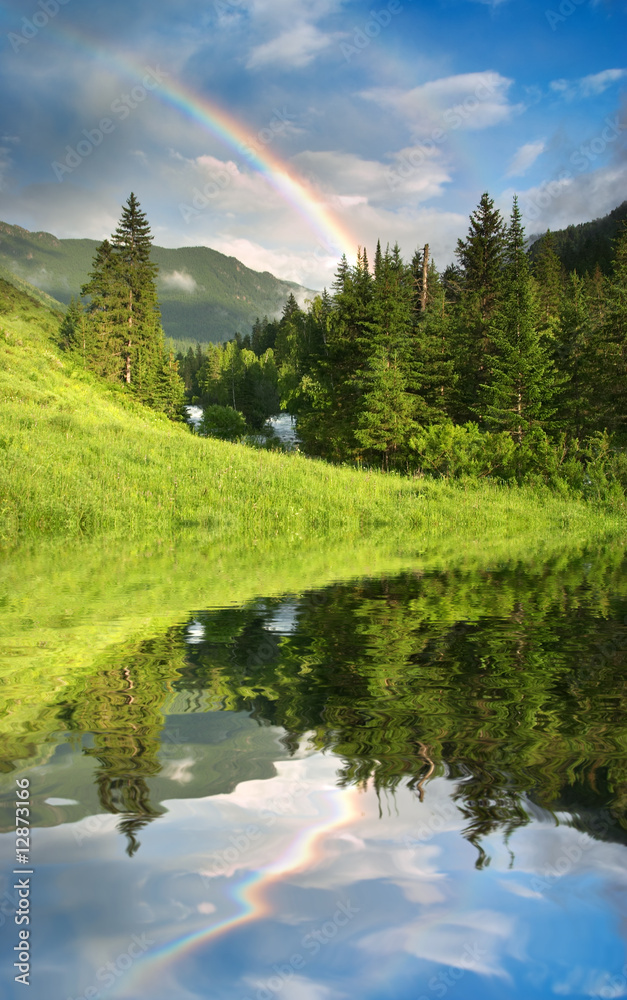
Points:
(398, 115)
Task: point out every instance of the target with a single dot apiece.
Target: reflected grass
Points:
(67, 609)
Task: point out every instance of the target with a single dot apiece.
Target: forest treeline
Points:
(496, 366)
(501, 365)
(587, 246)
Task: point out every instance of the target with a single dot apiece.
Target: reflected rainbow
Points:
(251, 893)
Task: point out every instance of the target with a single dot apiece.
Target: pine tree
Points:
(612, 349)
(480, 258)
(386, 418)
(385, 414)
(522, 383)
(126, 339)
(433, 375)
(75, 335)
(143, 349)
(547, 270)
(104, 331)
(575, 361)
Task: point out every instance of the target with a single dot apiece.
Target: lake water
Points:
(404, 786)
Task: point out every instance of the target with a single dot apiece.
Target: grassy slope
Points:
(228, 296)
(77, 457)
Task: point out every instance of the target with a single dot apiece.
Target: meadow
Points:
(80, 458)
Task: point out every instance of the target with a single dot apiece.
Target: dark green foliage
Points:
(537, 359)
(118, 335)
(587, 246)
(576, 360)
(480, 258)
(549, 275)
(612, 347)
(223, 422)
(521, 385)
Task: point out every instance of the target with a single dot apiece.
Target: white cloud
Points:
(312, 269)
(180, 280)
(293, 48)
(570, 199)
(350, 181)
(588, 86)
(467, 101)
(598, 82)
(525, 157)
(446, 941)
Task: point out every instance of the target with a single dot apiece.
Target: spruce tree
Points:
(104, 326)
(547, 270)
(574, 356)
(127, 342)
(522, 385)
(612, 348)
(385, 415)
(433, 376)
(480, 258)
(143, 338)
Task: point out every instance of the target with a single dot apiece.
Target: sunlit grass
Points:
(80, 459)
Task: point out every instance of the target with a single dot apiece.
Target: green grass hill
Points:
(81, 457)
(204, 295)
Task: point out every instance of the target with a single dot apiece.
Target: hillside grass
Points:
(80, 458)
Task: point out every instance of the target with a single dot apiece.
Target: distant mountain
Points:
(204, 295)
(580, 248)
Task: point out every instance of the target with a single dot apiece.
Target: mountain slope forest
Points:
(498, 366)
(587, 246)
(204, 295)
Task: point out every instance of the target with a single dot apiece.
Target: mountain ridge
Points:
(587, 245)
(205, 296)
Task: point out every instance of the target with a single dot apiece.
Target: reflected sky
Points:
(400, 788)
(291, 887)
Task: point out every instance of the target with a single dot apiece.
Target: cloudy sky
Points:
(287, 131)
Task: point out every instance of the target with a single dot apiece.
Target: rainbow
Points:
(340, 808)
(334, 238)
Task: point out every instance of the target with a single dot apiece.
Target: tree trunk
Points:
(425, 273)
(130, 328)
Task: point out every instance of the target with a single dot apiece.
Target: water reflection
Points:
(414, 784)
